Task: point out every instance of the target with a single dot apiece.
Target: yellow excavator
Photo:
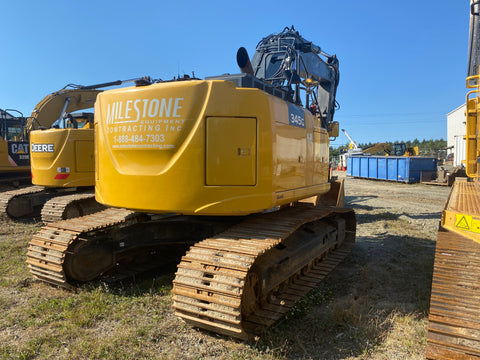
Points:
(62, 160)
(396, 149)
(234, 168)
(454, 319)
(14, 146)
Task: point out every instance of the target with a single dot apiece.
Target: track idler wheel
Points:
(252, 293)
(87, 261)
(72, 211)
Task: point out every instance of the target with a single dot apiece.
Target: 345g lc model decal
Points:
(296, 116)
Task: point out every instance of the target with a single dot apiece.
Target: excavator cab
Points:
(398, 149)
(11, 126)
(78, 120)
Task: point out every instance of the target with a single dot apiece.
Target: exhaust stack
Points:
(243, 62)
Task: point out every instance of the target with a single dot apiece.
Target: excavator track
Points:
(52, 204)
(48, 248)
(17, 203)
(220, 282)
(70, 206)
(114, 244)
(454, 320)
(241, 274)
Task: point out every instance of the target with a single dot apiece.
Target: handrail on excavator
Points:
(471, 137)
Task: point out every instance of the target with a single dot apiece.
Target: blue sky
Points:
(402, 63)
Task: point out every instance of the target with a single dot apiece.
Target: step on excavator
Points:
(454, 319)
(227, 177)
(62, 160)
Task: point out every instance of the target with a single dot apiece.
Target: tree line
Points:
(425, 147)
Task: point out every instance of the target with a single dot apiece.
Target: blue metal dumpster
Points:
(394, 168)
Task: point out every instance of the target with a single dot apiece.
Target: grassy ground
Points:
(373, 307)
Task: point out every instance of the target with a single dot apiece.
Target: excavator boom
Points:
(53, 106)
(378, 147)
(353, 144)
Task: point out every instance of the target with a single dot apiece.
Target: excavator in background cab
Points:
(454, 319)
(232, 168)
(62, 160)
(400, 149)
(14, 146)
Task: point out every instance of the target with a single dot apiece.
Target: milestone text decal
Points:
(145, 123)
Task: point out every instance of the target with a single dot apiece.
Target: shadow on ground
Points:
(351, 312)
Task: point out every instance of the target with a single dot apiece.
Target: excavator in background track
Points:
(62, 160)
(14, 147)
(454, 319)
(232, 168)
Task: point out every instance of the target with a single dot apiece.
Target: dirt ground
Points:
(418, 204)
(374, 306)
(392, 261)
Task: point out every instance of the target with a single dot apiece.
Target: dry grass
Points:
(373, 307)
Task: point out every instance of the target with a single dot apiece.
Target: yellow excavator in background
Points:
(62, 159)
(397, 149)
(236, 167)
(14, 147)
(454, 320)
(386, 149)
(378, 148)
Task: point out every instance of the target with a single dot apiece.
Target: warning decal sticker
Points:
(467, 223)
